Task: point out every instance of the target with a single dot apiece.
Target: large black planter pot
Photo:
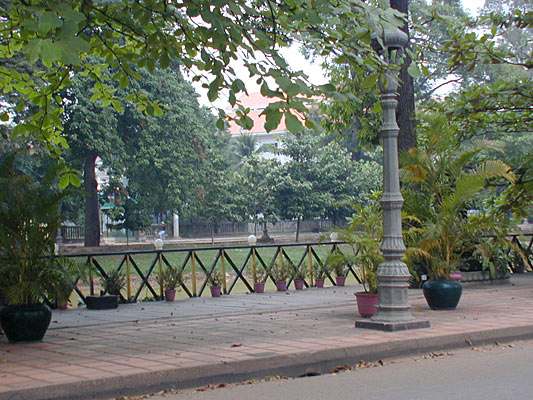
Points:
(108, 302)
(442, 294)
(25, 323)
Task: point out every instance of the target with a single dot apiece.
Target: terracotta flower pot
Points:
(281, 286)
(216, 291)
(62, 306)
(341, 280)
(170, 294)
(455, 275)
(259, 287)
(366, 304)
(299, 284)
(319, 282)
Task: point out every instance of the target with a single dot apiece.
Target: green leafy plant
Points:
(170, 278)
(319, 271)
(114, 283)
(279, 273)
(60, 280)
(299, 273)
(442, 181)
(29, 220)
(260, 275)
(216, 279)
(363, 233)
(337, 261)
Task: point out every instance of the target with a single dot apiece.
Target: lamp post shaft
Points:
(392, 274)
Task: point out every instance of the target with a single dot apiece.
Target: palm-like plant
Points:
(29, 219)
(442, 180)
(242, 146)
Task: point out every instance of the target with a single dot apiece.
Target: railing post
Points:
(193, 271)
(281, 259)
(128, 275)
(160, 261)
(254, 266)
(310, 264)
(91, 284)
(223, 256)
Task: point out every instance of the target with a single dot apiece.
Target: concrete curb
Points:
(296, 364)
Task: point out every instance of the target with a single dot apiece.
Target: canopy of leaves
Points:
(204, 36)
(156, 155)
(500, 62)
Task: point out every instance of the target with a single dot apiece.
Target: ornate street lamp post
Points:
(392, 274)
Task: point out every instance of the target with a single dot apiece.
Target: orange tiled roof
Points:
(257, 103)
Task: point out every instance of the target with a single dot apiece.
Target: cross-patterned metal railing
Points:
(197, 265)
(240, 267)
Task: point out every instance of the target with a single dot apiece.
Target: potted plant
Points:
(338, 263)
(110, 295)
(319, 272)
(215, 283)
(169, 279)
(29, 220)
(442, 181)
(363, 233)
(299, 277)
(61, 283)
(259, 284)
(280, 276)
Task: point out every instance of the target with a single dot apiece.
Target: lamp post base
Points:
(391, 326)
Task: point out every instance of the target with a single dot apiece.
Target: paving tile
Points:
(154, 337)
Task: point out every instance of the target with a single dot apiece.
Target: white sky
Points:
(296, 59)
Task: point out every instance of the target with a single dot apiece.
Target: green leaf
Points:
(293, 124)
(33, 49)
(4, 117)
(64, 181)
(117, 106)
(164, 60)
(124, 81)
(273, 119)
(413, 70)
(49, 20)
(50, 51)
(157, 111)
(370, 81)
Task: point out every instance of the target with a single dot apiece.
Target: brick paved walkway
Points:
(147, 346)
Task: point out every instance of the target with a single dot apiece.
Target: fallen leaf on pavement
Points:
(340, 368)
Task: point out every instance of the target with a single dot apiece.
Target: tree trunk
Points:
(405, 115)
(265, 232)
(92, 217)
(298, 229)
(354, 139)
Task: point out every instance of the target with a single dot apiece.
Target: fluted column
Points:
(392, 274)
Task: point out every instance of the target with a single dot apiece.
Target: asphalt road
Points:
(487, 373)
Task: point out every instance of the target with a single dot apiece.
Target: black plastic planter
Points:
(442, 294)
(101, 302)
(25, 323)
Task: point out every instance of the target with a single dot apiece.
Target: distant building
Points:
(257, 103)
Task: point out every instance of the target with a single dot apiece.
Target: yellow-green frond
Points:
(496, 169)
